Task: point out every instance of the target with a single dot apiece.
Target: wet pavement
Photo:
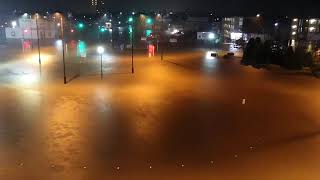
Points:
(189, 116)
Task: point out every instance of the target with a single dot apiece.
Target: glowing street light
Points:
(258, 15)
(14, 24)
(211, 36)
(276, 24)
(63, 46)
(100, 51)
(38, 42)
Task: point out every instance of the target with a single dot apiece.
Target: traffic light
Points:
(130, 19)
(102, 29)
(148, 32)
(149, 21)
(80, 26)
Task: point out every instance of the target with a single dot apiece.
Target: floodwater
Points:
(187, 117)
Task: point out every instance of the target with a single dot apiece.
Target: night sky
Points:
(220, 7)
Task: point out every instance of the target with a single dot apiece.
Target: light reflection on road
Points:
(210, 62)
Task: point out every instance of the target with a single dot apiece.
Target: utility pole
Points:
(101, 66)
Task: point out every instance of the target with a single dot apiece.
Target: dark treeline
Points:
(259, 54)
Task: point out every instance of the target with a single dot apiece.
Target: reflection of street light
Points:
(100, 51)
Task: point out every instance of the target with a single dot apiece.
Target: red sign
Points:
(151, 49)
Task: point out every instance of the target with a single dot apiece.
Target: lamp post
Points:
(100, 51)
(260, 24)
(162, 36)
(38, 42)
(130, 20)
(132, 66)
(63, 46)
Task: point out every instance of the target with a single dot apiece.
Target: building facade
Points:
(97, 6)
(26, 29)
(305, 32)
(232, 28)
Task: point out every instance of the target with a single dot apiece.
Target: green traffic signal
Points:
(102, 29)
(149, 21)
(130, 19)
(80, 25)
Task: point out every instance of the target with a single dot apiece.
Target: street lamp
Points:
(100, 51)
(25, 15)
(211, 36)
(63, 46)
(38, 42)
(14, 24)
(130, 20)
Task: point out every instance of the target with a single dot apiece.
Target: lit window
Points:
(312, 29)
(312, 21)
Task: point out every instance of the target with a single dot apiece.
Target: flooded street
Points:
(189, 116)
